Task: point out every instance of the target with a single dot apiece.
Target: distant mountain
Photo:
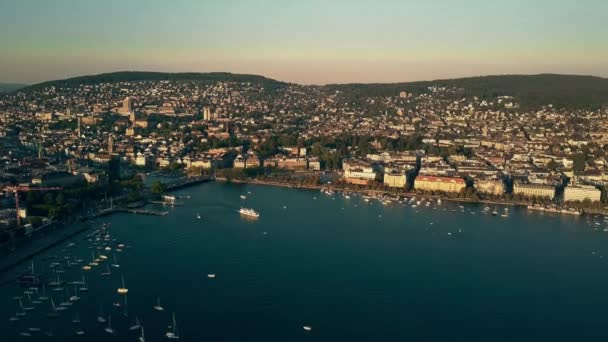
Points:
(9, 87)
(127, 76)
(532, 91)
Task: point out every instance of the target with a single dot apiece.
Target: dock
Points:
(144, 212)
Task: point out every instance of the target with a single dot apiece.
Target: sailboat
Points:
(53, 312)
(30, 307)
(83, 287)
(122, 290)
(75, 297)
(173, 333)
(100, 317)
(107, 272)
(158, 307)
(22, 312)
(141, 337)
(109, 329)
(115, 264)
(137, 324)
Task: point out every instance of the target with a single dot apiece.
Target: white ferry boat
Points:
(249, 212)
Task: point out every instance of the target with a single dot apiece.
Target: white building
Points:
(581, 193)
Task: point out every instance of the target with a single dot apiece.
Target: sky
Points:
(304, 41)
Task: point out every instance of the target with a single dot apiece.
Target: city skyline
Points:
(307, 43)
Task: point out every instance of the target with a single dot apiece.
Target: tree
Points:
(60, 199)
(158, 188)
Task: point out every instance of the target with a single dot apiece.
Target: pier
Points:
(142, 212)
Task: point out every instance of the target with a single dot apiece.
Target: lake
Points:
(348, 269)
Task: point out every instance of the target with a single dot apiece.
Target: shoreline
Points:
(370, 192)
(105, 212)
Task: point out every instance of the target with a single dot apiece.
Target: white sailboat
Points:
(20, 313)
(141, 337)
(173, 334)
(100, 317)
(43, 296)
(137, 324)
(83, 287)
(115, 264)
(109, 328)
(53, 312)
(158, 307)
(107, 271)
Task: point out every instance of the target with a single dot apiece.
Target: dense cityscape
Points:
(98, 139)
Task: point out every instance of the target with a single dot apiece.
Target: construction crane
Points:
(17, 189)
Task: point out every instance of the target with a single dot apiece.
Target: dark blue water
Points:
(351, 270)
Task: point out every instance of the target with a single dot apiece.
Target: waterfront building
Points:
(395, 179)
(534, 190)
(314, 164)
(490, 186)
(581, 192)
(444, 184)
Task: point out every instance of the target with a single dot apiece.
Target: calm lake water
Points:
(351, 270)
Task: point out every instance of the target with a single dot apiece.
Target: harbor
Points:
(379, 253)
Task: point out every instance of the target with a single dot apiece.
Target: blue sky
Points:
(303, 41)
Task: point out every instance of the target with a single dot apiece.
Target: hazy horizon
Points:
(310, 42)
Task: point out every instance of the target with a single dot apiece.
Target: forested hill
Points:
(567, 91)
(128, 76)
(531, 91)
(9, 87)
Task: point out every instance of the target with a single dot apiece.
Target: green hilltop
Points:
(129, 76)
(532, 91)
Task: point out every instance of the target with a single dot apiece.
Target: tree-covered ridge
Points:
(131, 76)
(9, 87)
(531, 91)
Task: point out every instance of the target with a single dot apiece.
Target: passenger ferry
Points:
(249, 212)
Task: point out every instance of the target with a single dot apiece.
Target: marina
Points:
(383, 256)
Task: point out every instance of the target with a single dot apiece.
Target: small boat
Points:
(249, 212)
(307, 327)
(13, 319)
(137, 324)
(83, 287)
(158, 307)
(243, 197)
(115, 264)
(122, 290)
(198, 216)
(76, 319)
(53, 312)
(211, 275)
(79, 332)
(34, 329)
(141, 337)
(22, 312)
(100, 317)
(25, 334)
(109, 328)
(173, 333)
(107, 271)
